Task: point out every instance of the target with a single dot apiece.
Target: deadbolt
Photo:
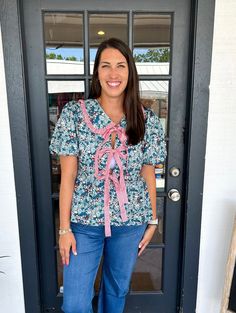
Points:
(174, 195)
(174, 171)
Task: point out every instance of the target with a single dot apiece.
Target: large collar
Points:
(98, 116)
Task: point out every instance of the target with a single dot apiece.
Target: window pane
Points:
(154, 94)
(59, 93)
(147, 274)
(152, 43)
(104, 26)
(63, 33)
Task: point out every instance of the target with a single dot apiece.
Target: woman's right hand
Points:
(66, 242)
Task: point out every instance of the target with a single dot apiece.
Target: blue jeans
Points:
(119, 252)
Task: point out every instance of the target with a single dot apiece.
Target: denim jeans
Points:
(119, 252)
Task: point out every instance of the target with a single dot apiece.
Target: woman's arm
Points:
(68, 176)
(148, 173)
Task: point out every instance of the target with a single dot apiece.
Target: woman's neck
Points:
(111, 105)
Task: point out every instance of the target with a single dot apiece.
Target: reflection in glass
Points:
(104, 26)
(152, 43)
(154, 95)
(147, 274)
(158, 235)
(63, 33)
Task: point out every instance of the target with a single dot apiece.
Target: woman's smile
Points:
(113, 84)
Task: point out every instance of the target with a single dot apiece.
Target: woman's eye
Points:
(104, 66)
(121, 66)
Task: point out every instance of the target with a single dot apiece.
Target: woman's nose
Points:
(113, 73)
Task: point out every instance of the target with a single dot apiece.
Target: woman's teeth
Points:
(113, 84)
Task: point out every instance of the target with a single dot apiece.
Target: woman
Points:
(108, 146)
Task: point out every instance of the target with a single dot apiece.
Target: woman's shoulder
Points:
(74, 109)
(90, 101)
(81, 110)
(150, 116)
(90, 105)
(71, 107)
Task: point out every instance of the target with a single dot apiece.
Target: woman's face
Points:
(113, 73)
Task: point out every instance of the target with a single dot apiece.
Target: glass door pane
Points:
(147, 275)
(154, 95)
(152, 43)
(104, 26)
(64, 48)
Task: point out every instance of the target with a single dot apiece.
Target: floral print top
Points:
(105, 196)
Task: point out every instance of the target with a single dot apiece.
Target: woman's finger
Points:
(62, 256)
(73, 247)
(142, 248)
(146, 239)
(67, 256)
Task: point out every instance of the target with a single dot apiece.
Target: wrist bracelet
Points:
(153, 222)
(64, 231)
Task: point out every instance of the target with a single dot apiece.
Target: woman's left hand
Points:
(149, 232)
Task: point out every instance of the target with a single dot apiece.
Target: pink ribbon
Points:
(106, 174)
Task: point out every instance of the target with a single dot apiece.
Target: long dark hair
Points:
(132, 104)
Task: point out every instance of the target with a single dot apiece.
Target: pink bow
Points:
(108, 176)
(119, 153)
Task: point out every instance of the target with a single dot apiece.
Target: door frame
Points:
(201, 37)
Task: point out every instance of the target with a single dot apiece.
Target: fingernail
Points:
(75, 253)
(140, 245)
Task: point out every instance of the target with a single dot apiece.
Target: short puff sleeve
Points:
(64, 139)
(154, 150)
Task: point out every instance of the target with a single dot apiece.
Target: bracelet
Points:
(64, 231)
(153, 222)
(150, 225)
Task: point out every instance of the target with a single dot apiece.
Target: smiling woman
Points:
(113, 75)
(126, 98)
(117, 142)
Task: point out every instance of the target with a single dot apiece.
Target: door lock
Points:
(174, 195)
(174, 171)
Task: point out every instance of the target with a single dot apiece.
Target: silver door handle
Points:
(174, 194)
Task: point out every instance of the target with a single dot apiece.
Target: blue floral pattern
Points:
(72, 136)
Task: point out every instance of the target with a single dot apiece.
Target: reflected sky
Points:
(78, 52)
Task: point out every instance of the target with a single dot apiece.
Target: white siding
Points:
(219, 197)
(11, 288)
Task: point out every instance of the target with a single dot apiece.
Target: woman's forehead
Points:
(112, 54)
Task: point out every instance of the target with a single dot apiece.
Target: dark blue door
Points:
(61, 38)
